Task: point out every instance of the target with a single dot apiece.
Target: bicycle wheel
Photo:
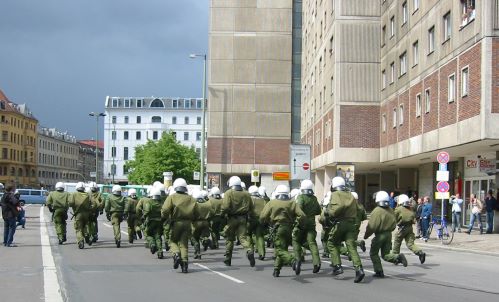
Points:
(447, 235)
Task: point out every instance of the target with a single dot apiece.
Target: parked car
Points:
(32, 196)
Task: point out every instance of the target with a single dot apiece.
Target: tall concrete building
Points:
(389, 84)
(253, 66)
(86, 158)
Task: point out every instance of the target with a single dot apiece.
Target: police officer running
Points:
(58, 205)
(132, 219)
(115, 209)
(256, 230)
(153, 222)
(217, 222)
(201, 226)
(82, 207)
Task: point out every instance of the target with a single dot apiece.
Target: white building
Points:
(132, 121)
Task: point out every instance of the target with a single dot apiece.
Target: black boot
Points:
(176, 261)
(139, 234)
(337, 270)
(317, 268)
(96, 237)
(297, 267)
(362, 246)
(401, 259)
(64, 239)
(167, 247)
(422, 257)
(206, 244)
(81, 244)
(160, 255)
(276, 273)
(261, 257)
(359, 274)
(153, 249)
(379, 274)
(60, 241)
(184, 266)
(118, 243)
(130, 240)
(227, 262)
(251, 258)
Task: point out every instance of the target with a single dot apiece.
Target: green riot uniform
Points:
(342, 211)
(115, 210)
(132, 218)
(139, 211)
(180, 209)
(201, 227)
(361, 216)
(82, 208)
(217, 221)
(58, 203)
(282, 214)
(405, 219)
(256, 230)
(381, 223)
(326, 230)
(237, 205)
(93, 225)
(166, 224)
(153, 224)
(305, 236)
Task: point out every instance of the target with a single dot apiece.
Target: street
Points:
(104, 273)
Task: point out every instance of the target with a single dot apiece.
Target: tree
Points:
(156, 157)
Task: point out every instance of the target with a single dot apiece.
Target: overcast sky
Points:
(63, 57)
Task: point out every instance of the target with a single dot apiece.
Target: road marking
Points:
(365, 270)
(51, 286)
(220, 274)
(110, 226)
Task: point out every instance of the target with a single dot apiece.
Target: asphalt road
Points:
(103, 272)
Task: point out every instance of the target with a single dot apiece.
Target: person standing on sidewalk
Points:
(476, 213)
(426, 217)
(457, 204)
(419, 210)
(10, 209)
(490, 206)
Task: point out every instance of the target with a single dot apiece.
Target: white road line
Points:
(51, 286)
(220, 274)
(365, 270)
(110, 226)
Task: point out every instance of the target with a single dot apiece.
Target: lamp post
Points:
(97, 115)
(203, 109)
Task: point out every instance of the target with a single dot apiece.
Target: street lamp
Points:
(97, 115)
(203, 109)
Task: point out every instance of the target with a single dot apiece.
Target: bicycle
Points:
(444, 231)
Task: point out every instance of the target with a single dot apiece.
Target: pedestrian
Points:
(392, 202)
(58, 205)
(405, 219)
(81, 204)
(217, 221)
(154, 224)
(476, 207)
(180, 209)
(21, 218)
(419, 211)
(238, 207)
(282, 213)
(256, 230)
(10, 208)
(98, 208)
(490, 206)
(426, 213)
(342, 214)
(457, 203)
(382, 223)
(304, 236)
(131, 213)
(115, 212)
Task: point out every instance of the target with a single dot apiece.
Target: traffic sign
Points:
(255, 175)
(93, 174)
(442, 167)
(443, 187)
(442, 175)
(281, 176)
(443, 157)
(197, 175)
(440, 195)
(306, 166)
(299, 161)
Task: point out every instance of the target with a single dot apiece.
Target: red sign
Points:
(443, 187)
(281, 176)
(443, 157)
(306, 166)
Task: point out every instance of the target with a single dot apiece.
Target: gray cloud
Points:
(62, 57)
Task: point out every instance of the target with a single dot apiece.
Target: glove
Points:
(51, 209)
(125, 216)
(101, 212)
(108, 216)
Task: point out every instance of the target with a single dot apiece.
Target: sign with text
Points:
(277, 176)
(299, 161)
(442, 175)
(440, 195)
(255, 175)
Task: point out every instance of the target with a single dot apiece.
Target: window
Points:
(175, 103)
(186, 136)
(198, 120)
(415, 4)
(157, 103)
(198, 136)
(113, 135)
(115, 102)
(394, 118)
(113, 169)
(113, 151)
(464, 81)
(447, 26)
(138, 135)
(383, 35)
(139, 103)
(125, 153)
(174, 133)
(139, 119)
(5, 153)
(127, 103)
(401, 114)
(418, 105)
(468, 12)
(403, 63)
(427, 97)
(125, 135)
(383, 79)
(451, 95)
(392, 26)
(199, 104)
(186, 120)
(113, 119)
(125, 170)
(431, 40)
(155, 135)
(404, 13)
(383, 123)
(174, 120)
(156, 119)
(126, 119)
(392, 76)
(415, 53)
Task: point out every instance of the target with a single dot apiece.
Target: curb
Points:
(457, 249)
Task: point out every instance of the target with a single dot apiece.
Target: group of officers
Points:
(170, 218)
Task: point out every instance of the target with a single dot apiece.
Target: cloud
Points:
(63, 57)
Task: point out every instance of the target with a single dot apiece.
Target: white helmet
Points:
(1, 186)
(214, 191)
(197, 194)
(234, 181)
(338, 183)
(382, 198)
(282, 192)
(253, 190)
(262, 191)
(149, 191)
(132, 192)
(80, 186)
(294, 193)
(205, 194)
(116, 190)
(180, 185)
(307, 187)
(93, 185)
(156, 183)
(403, 200)
(59, 186)
(355, 195)
(155, 193)
(243, 185)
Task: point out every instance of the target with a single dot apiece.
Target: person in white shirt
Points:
(457, 203)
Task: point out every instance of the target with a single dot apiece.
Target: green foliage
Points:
(156, 157)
